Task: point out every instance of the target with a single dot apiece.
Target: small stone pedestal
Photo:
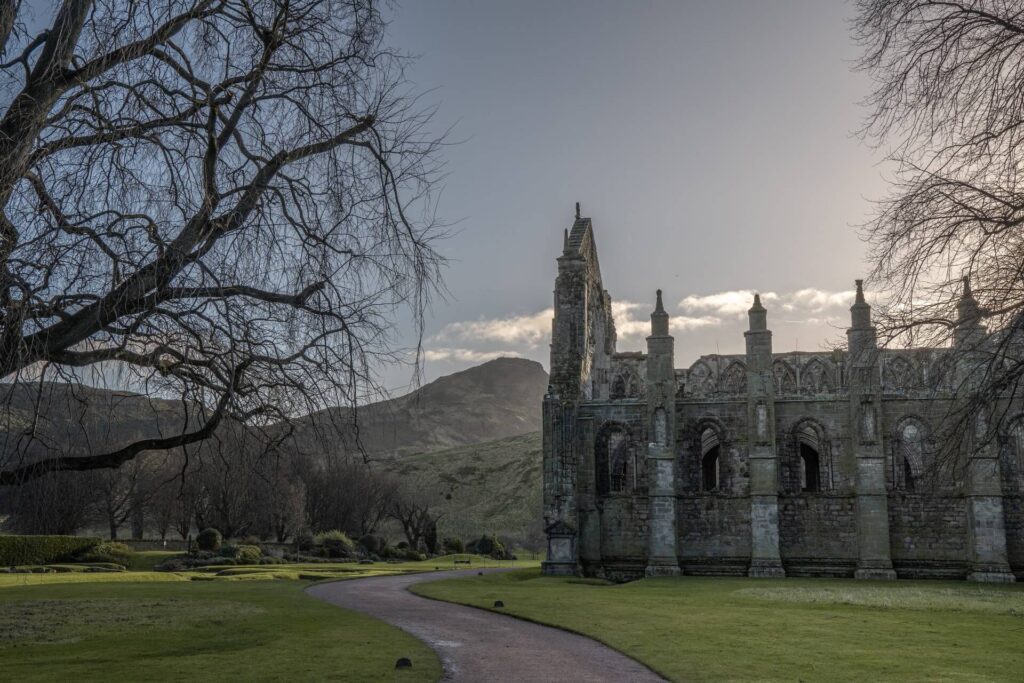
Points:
(561, 560)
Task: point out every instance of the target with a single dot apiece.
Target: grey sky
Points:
(710, 142)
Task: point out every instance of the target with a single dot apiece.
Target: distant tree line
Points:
(233, 483)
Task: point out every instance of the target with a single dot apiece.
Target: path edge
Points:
(538, 622)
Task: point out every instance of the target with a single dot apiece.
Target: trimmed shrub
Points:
(453, 546)
(16, 550)
(402, 545)
(491, 546)
(209, 539)
(414, 556)
(372, 544)
(108, 551)
(248, 554)
(335, 543)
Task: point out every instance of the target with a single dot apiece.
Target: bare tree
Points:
(118, 494)
(948, 103)
(347, 494)
(416, 513)
(218, 200)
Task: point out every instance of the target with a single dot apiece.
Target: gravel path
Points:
(477, 645)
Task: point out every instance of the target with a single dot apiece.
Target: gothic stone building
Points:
(763, 463)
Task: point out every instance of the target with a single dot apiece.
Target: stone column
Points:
(874, 556)
(560, 502)
(590, 519)
(662, 555)
(662, 558)
(765, 561)
(986, 527)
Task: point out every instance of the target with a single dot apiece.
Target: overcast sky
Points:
(711, 142)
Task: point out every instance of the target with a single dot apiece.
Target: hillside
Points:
(54, 418)
(492, 487)
(495, 400)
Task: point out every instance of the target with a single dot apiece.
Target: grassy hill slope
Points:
(492, 487)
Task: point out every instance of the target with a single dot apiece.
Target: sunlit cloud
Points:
(529, 330)
(817, 304)
(702, 323)
(466, 355)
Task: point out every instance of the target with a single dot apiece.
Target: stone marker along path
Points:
(480, 646)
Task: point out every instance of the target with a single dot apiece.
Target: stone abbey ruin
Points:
(764, 464)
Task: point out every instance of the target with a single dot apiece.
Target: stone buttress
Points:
(662, 557)
(986, 530)
(874, 555)
(765, 560)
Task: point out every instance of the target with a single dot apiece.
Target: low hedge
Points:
(17, 550)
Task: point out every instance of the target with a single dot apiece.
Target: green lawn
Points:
(157, 630)
(714, 629)
(216, 623)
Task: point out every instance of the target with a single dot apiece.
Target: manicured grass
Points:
(147, 560)
(713, 629)
(216, 623)
(116, 627)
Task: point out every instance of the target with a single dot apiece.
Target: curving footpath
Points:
(477, 645)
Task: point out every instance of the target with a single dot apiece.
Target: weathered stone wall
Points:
(928, 534)
(714, 533)
(818, 534)
(624, 529)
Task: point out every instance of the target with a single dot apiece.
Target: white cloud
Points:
(805, 318)
(465, 355)
(634, 320)
(530, 330)
(732, 303)
(820, 303)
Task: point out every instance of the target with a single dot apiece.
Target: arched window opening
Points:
(619, 387)
(908, 476)
(710, 461)
(810, 469)
(614, 461)
(710, 467)
(910, 455)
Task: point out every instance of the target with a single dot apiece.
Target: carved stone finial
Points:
(577, 210)
(967, 286)
(658, 307)
(860, 291)
(757, 299)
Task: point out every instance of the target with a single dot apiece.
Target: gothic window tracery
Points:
(817, 378)
(625, 385)
(909, 454)
(901, 375)
(701, 379)
(784, 378)
(615, 460)
(734, 379)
